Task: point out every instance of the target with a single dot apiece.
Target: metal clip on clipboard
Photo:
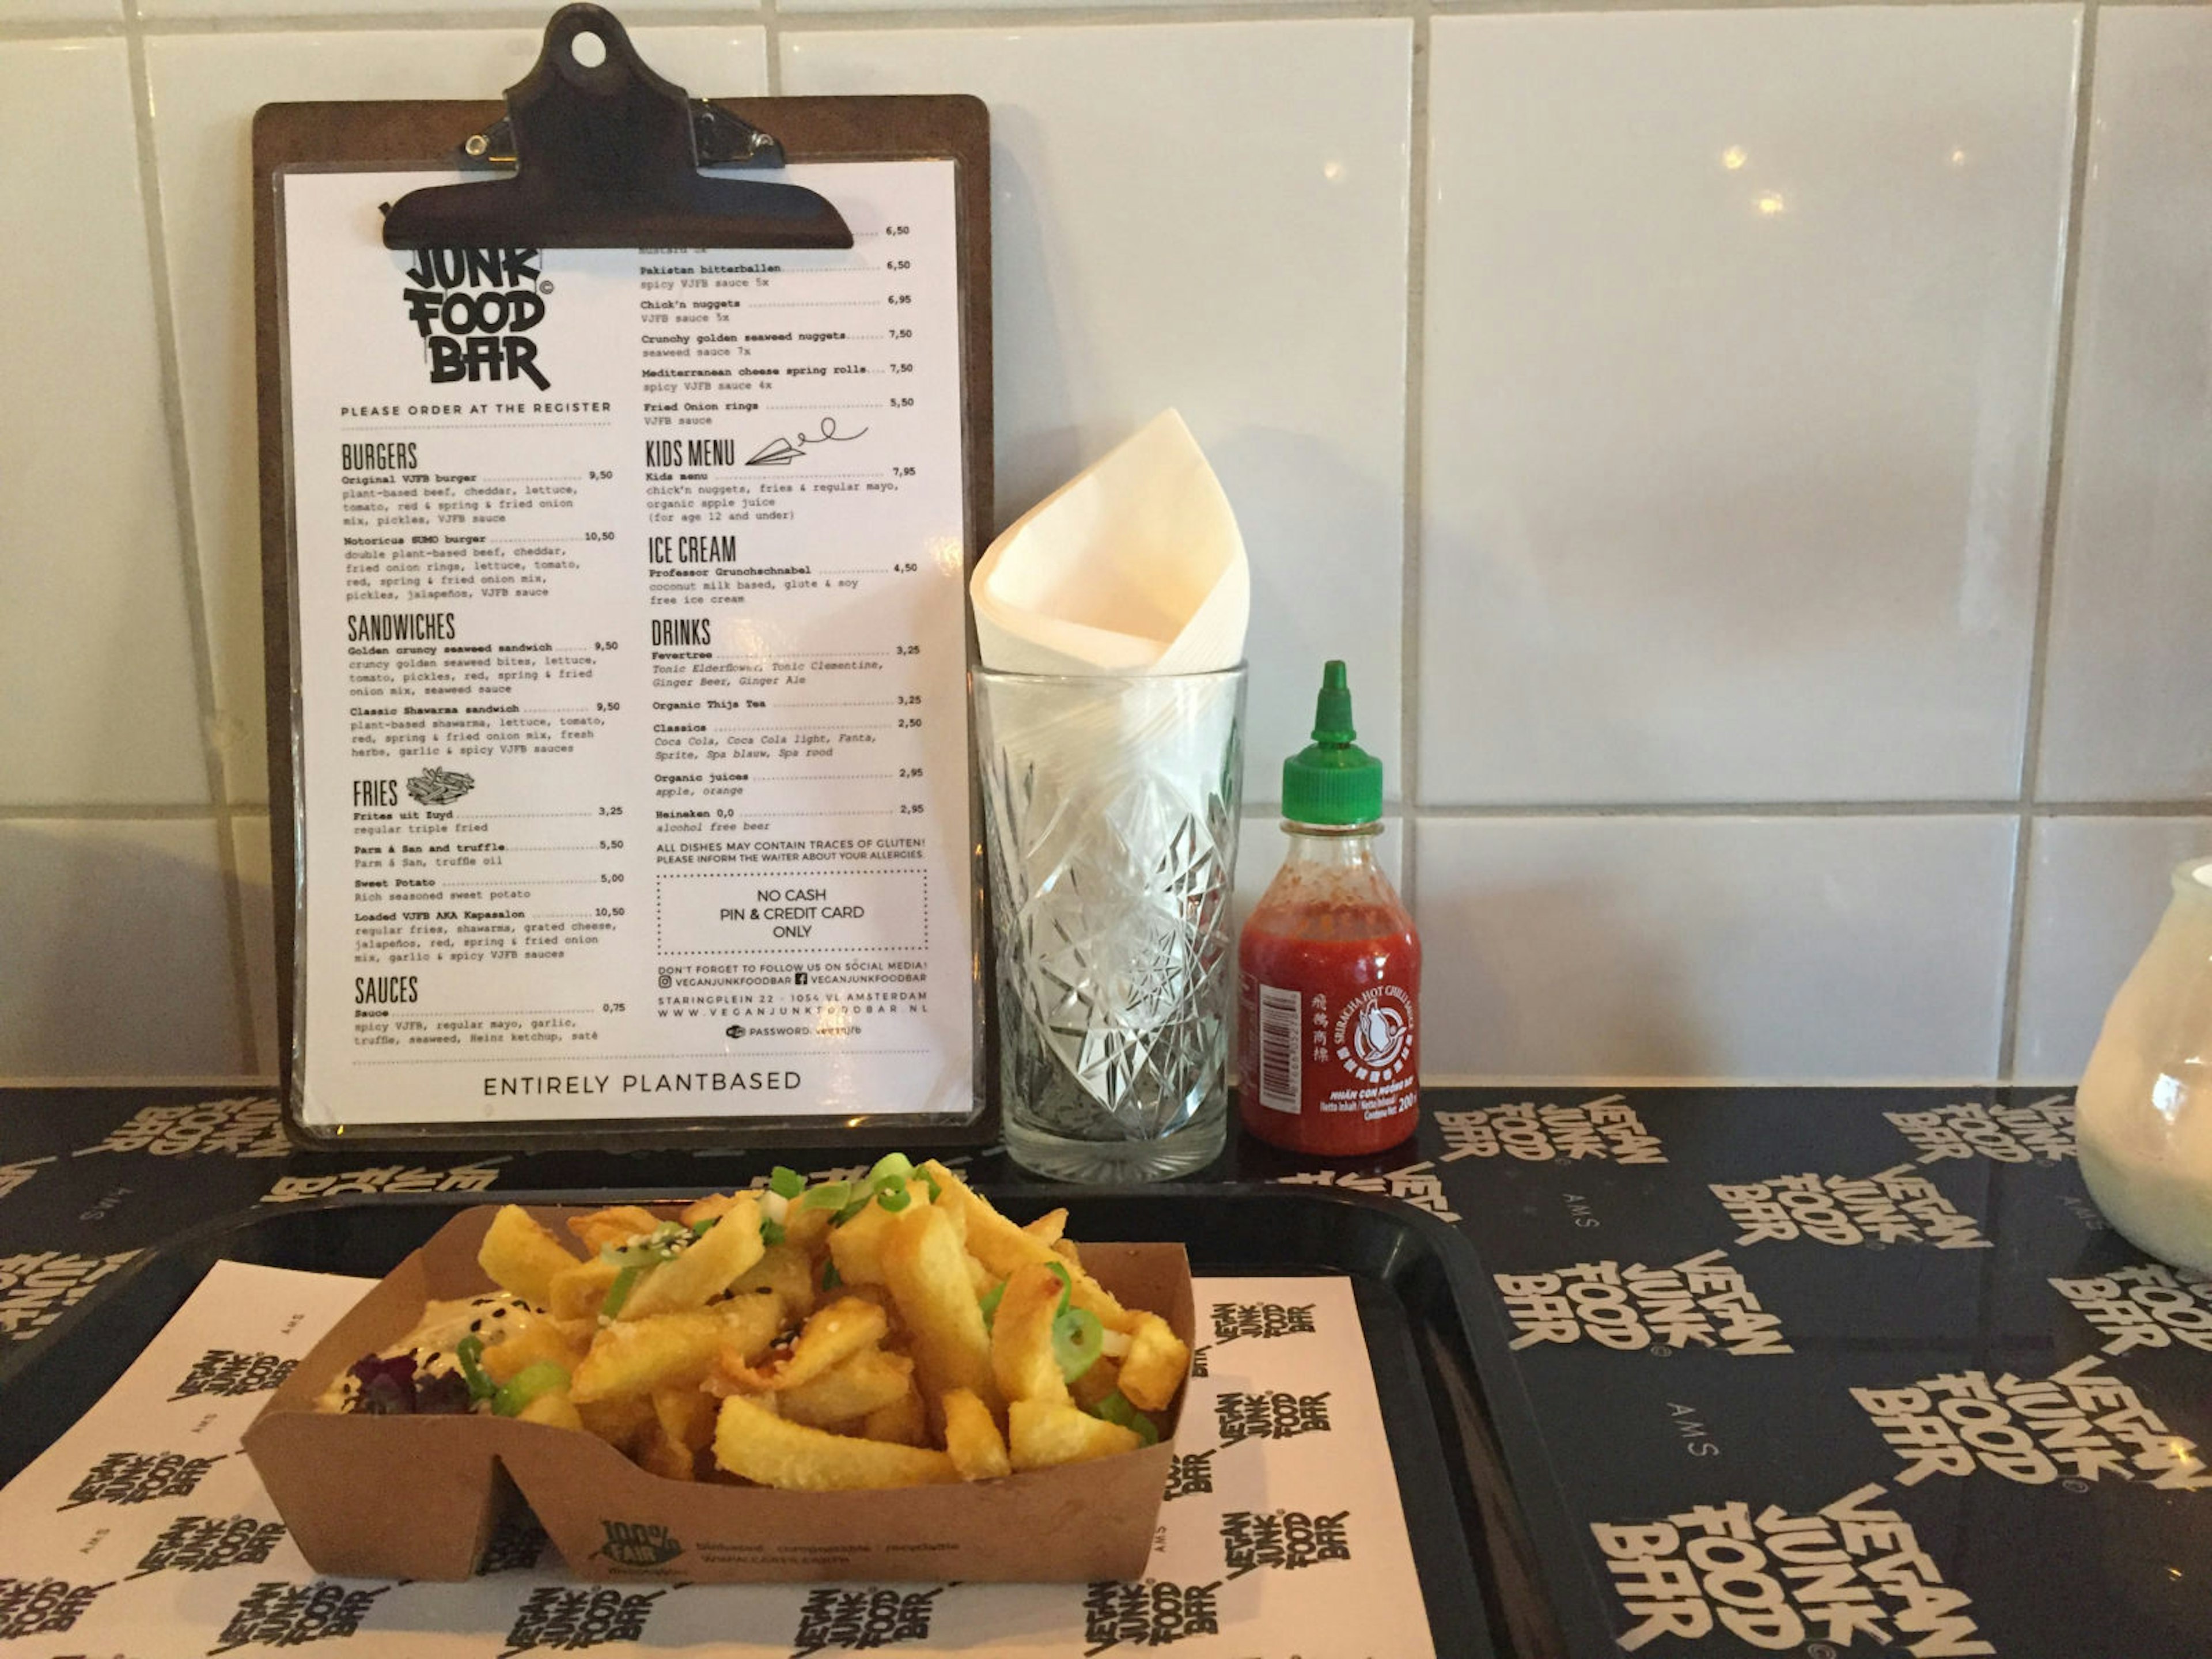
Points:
(607, 154)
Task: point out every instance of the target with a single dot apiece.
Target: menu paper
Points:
(143, 1530)
(631, 721)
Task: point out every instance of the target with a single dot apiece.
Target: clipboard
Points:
(752, 133)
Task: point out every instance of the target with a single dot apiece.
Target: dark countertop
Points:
(1803, 1378)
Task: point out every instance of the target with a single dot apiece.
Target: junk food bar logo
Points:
(474, 307)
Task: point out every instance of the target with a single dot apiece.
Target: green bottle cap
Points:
(1333, 781)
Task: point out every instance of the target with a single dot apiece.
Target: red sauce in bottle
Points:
(1328, 966)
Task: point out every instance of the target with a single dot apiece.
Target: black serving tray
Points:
(1498, 1559)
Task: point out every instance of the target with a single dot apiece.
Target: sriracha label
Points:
(1328, 1055)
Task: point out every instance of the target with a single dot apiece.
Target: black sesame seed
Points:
(476, 1324)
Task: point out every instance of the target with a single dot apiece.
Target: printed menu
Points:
(629, 700)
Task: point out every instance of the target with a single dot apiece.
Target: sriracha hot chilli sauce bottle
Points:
(1329, 967)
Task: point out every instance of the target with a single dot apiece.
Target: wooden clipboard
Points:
(414, 132)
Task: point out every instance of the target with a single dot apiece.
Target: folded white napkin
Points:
(1134, 566)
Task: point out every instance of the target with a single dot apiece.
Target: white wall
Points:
(1757, 462)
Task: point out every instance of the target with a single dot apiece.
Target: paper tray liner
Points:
(417, 1498)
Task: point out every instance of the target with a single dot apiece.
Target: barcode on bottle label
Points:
(1279, 1035)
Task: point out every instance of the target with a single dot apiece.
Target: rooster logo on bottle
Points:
(1374, 1035)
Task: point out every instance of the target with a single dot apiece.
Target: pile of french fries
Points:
(896, 1331)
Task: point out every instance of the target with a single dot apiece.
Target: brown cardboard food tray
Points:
(418, 1497)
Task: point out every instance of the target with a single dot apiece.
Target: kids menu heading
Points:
(631, 731)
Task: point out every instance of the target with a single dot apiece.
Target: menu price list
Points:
(632, 668)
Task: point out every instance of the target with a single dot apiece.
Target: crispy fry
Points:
(526, 1338)
(1040, 1434)
(980, 1276)
(927, 1274)
(617, 1225)
(763, 1446)
(578, 1290)
(686, 1416)
(955, 1212)
(833, 1335)
(632, 1357)
(623, 1422)
(521, 1257)
(784, 1269)
(1022, 1360)
(1002, 1247)
(1153, 1368)
(857, 1247)
(714, 1206)
(1103, 1377)
(683, 1425)
(904, 1422)
(806, 1229)
(871, 1380)
(552, 1408)
(972, 1439)
(704, 1270)
(1048, 1228)
(657, 1454)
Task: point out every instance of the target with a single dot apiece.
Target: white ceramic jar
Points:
(2143, 1115)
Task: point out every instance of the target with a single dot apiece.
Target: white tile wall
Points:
(97, 687)
(249, 833)
(531, 11)
(1740, 338)
(2129, 710)
(118, 957)
(2096, 888)
(204, 90)
(1731, 340)
(64, 11)
(1870, 948)
(1170, 225)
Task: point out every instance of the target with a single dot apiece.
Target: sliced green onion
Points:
(992, 1298)
(618, 1292)
(831, 1195)
(470, 1351)
(850, 1211)
(771, 1231)
(785, 1183)
(527, 1384)
(890, 1166)
(930, 1181)
(701, 1229)
(1066, 1288)
(1076, 1335)
(831, 1279)
(1116, 1408)
(892, 1193)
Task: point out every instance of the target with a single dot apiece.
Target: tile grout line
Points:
(771, 46)
(2061, 383)
(1415, 388)
(199, 624)
(429, 19)
(107, 812)
(924, 17)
